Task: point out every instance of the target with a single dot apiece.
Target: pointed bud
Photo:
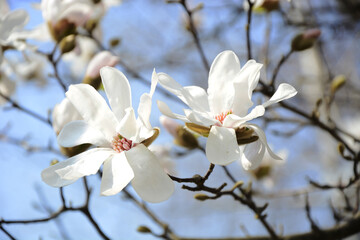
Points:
(101, 59)
(68, 43)
(182, 137)
(201, 197)
(237, 185)
(61, 29)
(305, 40)
(53, 162)
(337, 83)
(114, 42)
(144, 229)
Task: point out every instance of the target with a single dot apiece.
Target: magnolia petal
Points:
(197, 98)
(144, 110)
(221, 146)
(222, 75)
(246, 82)
(252, 155)
(64, 113)
(283, 92)
(79, 132)
(70, 170)
(262, 138)
(93, 108)
(200, 118)
(117, 173)
(128, 127)
(234, 121)
(193, 96)
(117, 89)
(12, 21)
(150, 181)
(165, 110)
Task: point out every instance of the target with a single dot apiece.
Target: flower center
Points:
(221, 117)
(119, 143)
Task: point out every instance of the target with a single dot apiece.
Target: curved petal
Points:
(222, 75)
(128, 127)
(70, 170)
(117, 89)
(283, 92)
(12, 21)
(252, 155)
(246, 82)
(165, 110)
(234, 121)
(64, 113)
(221, 146)
(200, 118)
(93, 108)
(193, 96)
(117, 173)
(197, 98)
(79, 132)
(150, 181)
(262, 138)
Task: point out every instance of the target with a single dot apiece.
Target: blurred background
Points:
(147, 34)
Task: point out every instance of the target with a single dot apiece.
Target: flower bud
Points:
(262, 5)
(101, 59)
(182, 136)
(144, 229)
(61, 29)
(201, 197)
(305, 40)
(337, 83)
(68, 43)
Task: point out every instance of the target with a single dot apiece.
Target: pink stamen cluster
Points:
(221, 117)
(120, 144)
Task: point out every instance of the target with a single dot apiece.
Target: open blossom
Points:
(121, 141)
(64, 113)
(222, 113)
(10, 24)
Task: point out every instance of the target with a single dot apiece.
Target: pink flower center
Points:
(120, 143)
(221, 117)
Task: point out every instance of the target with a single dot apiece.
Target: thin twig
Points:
(247, 27)
(27, 111)
(195, 34)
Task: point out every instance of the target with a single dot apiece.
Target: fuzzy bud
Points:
(144, 229)
(201, 197)
(101, 59)
(182, 137)
(337, 83)
(61, 29)
(305, 40)
(68, 43)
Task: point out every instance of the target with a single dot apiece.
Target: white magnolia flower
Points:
(64, 113)
(120, 137)
(223, 111)
(10, 24)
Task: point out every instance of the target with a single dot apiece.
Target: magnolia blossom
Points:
(222, 113)
(101, 59)
(10, 24)
(64, 113)
(121, 141)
